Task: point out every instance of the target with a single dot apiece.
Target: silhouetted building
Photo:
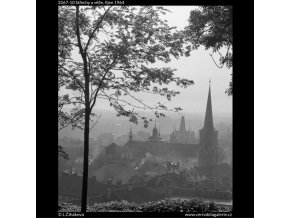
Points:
(130, 135)
(155, 135)
(157, 146)
(111, 149)
(181, 146)
(208, 140)
(182, 136)
(116, 172)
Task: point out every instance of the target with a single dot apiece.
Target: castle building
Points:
(208, 140)
(182, 143)
(182, 136)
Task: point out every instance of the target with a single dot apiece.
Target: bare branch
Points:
(95, 122)
(74, 77)
(101, 82)
(148, 107)
(96, 28)
(215, 62)
(144, 107)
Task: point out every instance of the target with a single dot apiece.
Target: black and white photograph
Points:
(145, 109)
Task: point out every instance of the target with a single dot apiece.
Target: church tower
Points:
(208, 136)
(155, 136)
(173, 135)
(130, 135)
(182, 136)
(182, 127)
(155, 131)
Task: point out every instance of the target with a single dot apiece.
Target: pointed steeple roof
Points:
(208, 121)
(182, 127)
(130, 135)
(155, 131)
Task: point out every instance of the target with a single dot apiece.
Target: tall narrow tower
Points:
(208, 136)
(173, 135)
(130, 135)
(155, 136)
(182, 127)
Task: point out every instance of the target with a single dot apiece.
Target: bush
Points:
(178, 205)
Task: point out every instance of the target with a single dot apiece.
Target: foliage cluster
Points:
(168, 205)
(116, 46)
(211, 27)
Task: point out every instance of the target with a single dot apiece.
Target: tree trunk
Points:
(87, 118)
(85, 161)
(86, 137)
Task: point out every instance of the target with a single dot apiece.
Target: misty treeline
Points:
(105, 53)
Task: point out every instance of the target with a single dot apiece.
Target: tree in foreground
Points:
(211, 26)
(63, 121)
(105, 53)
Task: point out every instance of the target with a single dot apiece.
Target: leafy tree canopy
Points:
(116, 46)
(211, 26)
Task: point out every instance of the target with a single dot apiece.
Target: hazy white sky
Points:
(199, 67)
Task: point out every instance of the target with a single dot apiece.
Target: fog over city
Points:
(198, 67)
(110, 123)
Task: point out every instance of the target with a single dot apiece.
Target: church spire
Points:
(182, 127)
(208, 121)
(130, 135)
(155, 131)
